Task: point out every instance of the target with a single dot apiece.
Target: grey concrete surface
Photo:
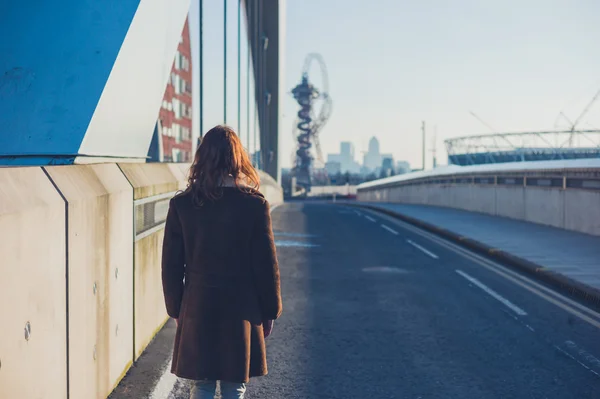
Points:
(369, 315)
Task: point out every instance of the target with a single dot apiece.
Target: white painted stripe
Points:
(358, 213)
(493, 294)
(152, 230)
(275, 207)
(165, 384)
(424, 250)
(582, 312)
(153, 198)
(370, 218)
(389, 229)
(578, 361)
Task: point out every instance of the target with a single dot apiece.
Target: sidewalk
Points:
(562, 257)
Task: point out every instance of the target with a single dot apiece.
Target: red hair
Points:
(220, 157)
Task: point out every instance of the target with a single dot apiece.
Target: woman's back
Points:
(219, 269)
(218, 233)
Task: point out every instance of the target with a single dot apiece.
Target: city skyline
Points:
(373, 160)
(438, 63)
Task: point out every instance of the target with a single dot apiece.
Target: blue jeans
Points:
(205, 389)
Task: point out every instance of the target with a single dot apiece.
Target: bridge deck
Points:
(375, 309)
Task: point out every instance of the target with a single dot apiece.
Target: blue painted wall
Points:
(55, 58)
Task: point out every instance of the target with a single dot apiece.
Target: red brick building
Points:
(175, 117)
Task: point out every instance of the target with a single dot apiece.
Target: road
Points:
(373, 308)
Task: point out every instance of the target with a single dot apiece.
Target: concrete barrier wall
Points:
(100, 226)
(153, 186)
(571, 209)
(510, 202)
(545, 206)
(100, 271)
(33, 362)
(270, 189)
(582, 211)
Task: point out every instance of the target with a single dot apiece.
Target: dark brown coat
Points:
(225, 252)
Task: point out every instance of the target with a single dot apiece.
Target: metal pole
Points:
(423, 129)
(224, 61)
(201, 66)
(239, 47)
(261, 110)
(249, 44)
(257, 82)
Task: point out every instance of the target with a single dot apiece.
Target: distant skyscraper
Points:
(347, 150)
(333, 168)
(345, 158)
(373, 159)
(402, 167)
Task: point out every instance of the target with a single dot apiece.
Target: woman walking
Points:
(219, 270)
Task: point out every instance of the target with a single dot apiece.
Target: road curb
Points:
(564, 283)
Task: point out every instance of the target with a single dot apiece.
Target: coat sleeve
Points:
(173, 267)
(265, 267)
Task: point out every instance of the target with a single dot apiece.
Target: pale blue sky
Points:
(392, 64)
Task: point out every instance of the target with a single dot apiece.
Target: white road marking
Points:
(370, 218)
(587, 356)
(424, 250)
(274, 207)
(584, 313)
(493, 293)
(358, 213)
(297, 244)
(165, 384)
(573, 357)
(530, 328)
(389, 229)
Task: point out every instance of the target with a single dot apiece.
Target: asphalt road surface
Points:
(374, 308)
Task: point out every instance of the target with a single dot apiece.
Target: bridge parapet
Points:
(81, 273)
(563, 194)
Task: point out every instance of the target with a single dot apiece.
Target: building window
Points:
(186, 111)
(188, 88)
(176, 155)
(177, 132)
(177, 108)
(186, 133)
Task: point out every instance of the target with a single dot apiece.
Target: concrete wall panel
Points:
(544, 206)
(150, 311)
(483, 199)
(150, 179)
(582, 211)
(120, 266)
(100, 231)
(462, 197)
(32, 272)
(270, 189)
(510, 202)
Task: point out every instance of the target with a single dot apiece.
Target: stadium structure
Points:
(523, 147)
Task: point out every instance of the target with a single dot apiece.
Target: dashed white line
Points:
(424, 250)
(493, 294)
(370, 218)
(578, 361)
(389, 229)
